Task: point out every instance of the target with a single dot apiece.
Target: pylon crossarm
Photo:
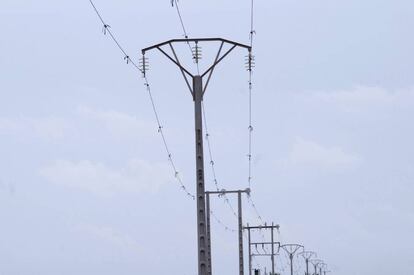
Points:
(307, 254)
(316, 262)
(212, 70)
(291, 248)
(182, 70)
(218, 61)
(175, 62)
(187, 40)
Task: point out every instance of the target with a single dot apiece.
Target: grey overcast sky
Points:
(85, 184)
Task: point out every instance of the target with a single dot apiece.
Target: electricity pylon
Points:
(272, 244)
(307, 255)
(291, 249)
(322, 266)
(316, 263)
(197, 90)
(240, 225)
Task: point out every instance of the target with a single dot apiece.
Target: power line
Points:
(185, 33)
(180, 17)
(212, 162)
(227, 228)
(250, 65)
(106, 29)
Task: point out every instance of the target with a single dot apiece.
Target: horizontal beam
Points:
(278, 243)
(262, 227)
(187, 40)
(228, 192)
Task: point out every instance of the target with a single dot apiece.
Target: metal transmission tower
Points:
(307, 255)
(197, 90)
(240, 225)
(272, 244)
(322, 266)
(291, 250)
(316, 263)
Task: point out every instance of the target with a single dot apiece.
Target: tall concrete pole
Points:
(200, 196)
(273, 250)
(250, 250)
(209, 265)
(240, 216)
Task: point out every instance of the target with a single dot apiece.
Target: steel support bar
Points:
(261, 243)
(222, 192)
(175, 62)
(263, 227)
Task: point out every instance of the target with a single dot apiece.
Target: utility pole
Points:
(316, 263)
(240, 225)
(197, 90)
(322, 266)
(307, 255)
(291, 249)
(272, 244)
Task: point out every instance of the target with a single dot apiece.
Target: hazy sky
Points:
(85, 183)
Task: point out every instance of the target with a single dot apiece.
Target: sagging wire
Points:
(250, 64)
(174, 3)
(212, 162)
(283, 266)
(218, 221)
(161, 132)
(106, 30)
